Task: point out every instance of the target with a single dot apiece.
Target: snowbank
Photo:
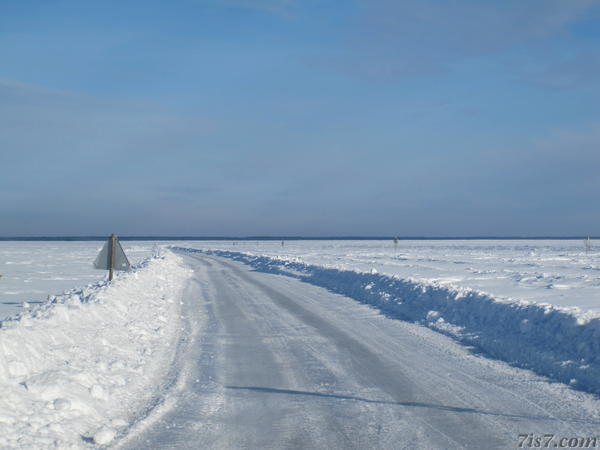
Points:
(77, 370)
(561, 343)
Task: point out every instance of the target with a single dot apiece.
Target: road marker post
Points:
(112, 257)
(113, 238)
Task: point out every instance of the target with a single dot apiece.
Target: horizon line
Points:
(289, 238)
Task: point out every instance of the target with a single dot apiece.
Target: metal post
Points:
(111, 255)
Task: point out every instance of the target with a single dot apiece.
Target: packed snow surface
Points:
(272, 362)
(547, 331)
(80, 368)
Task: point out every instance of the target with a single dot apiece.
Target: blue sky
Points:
(290, 117)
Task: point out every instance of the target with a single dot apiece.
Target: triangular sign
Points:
(120, 260)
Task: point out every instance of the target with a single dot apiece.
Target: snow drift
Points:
(561, 343)
(80, 368)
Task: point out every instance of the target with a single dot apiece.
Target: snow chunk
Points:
(62, 404)
(104, 436)
(98, 392)
(433, 316)
(17, 369)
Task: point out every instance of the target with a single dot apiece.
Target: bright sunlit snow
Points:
(531, 303)
(33, 270)
(558, 272)
(82, 367)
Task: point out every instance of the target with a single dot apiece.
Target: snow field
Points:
(558, 272)
(80, 368)
(559, 342)
(33, 270)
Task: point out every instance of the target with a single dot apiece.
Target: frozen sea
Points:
(33, 270)
(557, 272)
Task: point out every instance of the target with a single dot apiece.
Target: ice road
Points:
(267, 361)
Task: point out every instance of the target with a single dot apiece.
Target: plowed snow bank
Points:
(78, 369)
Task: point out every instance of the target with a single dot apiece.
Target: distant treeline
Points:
(288, 238)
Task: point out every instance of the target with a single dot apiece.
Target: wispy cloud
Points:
(581, 70)
(391, 39)
(184, 194)
(74, 145)
(279, 7)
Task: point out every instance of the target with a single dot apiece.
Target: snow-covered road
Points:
(267, 361)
